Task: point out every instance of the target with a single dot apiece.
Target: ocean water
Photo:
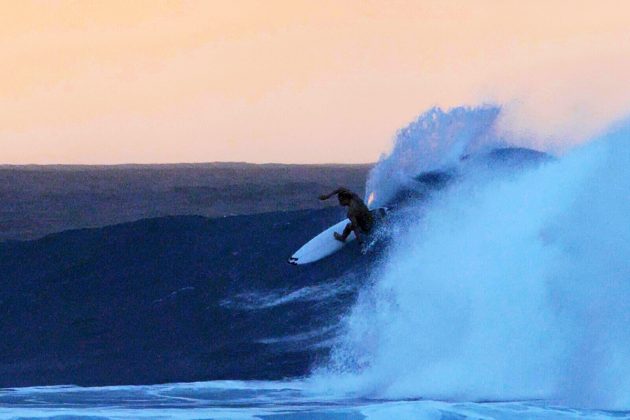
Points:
(503, 294)
(257, 400)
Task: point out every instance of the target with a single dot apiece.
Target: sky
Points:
(108, 82)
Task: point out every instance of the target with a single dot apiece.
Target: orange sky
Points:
(297, 81)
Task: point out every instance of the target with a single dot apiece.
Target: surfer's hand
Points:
(323, 197)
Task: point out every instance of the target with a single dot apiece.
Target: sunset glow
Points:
(297, 81)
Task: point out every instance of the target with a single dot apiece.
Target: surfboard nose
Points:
(293, 261)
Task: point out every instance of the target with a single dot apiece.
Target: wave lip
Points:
(434, 141)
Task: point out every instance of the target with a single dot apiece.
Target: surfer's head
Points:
(344, 197)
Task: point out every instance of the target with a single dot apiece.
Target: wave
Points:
(252, 399)
(499, 287)
(435, 140)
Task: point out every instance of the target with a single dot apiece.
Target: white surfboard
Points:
(325, 243)
(322, 245)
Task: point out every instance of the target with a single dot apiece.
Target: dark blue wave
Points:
(170, 299)
(175, 299)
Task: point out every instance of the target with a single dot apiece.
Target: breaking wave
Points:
(497, 288)
(434, 141)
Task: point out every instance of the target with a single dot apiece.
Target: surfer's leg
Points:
(366, 223)
(346, 231)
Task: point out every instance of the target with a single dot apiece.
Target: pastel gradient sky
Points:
(297, 81)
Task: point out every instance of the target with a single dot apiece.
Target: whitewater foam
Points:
(501, 288)
(327, 290)
(434, 141)
(251, 400)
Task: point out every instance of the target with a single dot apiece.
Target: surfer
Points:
(361, 220)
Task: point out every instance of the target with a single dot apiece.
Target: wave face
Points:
(497, 288)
